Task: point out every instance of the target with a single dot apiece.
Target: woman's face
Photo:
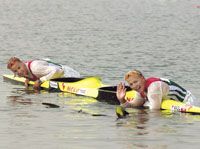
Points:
(20, 69)
(136, 83)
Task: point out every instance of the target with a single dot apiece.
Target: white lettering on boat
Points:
(53, 84)
(181, 108)
(71, 89)
(81, 91)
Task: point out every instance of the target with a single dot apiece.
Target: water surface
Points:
(104, 38)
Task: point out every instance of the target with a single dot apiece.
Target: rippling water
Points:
(105, 38)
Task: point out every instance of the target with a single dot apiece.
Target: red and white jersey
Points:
(43, 70)
(157, 89)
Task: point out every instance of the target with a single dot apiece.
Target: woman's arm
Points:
(156, 91)
(137, 101)
(128, 103)
(44, 71)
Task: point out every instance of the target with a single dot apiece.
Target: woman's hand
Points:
(26, 83)
(121, 92)
(37, 84)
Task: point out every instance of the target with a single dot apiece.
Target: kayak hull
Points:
(93, 87)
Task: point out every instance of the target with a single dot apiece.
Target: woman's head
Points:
(136, 80)
(17, 67)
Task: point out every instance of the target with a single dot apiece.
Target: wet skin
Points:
(20, 69)
(136, 83)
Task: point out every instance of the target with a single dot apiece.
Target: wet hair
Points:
(133, 73)
(12, 61)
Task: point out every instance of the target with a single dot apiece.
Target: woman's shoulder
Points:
(38, 63)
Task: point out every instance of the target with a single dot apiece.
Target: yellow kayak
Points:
(93, 87)
(70, 85)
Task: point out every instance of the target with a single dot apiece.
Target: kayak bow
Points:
(93, 87)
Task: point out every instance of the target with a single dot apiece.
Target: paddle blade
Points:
(120, 112)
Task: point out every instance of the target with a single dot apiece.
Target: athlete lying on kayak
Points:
(152, 90)
(39, 70)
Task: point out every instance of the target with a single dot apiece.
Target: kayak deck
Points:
(93, 87)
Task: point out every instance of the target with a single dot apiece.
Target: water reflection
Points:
(15, 100)
(145, 128)
(105, 38)
(29, 90)
(84, 105)
(145, 121)
(137, 119)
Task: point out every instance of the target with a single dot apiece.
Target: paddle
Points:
(50, 105)
(121, 112)
(21, 100)
(92, 114)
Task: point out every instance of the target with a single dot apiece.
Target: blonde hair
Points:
(133, 73)
(12, 61)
